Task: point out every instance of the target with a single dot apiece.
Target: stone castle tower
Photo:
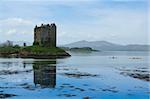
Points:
(45, 35)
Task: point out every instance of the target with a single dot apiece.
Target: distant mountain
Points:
(107, 46)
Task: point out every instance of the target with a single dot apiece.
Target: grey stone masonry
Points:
(45, 35)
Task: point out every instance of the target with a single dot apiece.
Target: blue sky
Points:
(117, 21)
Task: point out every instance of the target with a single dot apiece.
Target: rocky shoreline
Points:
(138, 73)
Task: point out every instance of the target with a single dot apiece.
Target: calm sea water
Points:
(95, 75)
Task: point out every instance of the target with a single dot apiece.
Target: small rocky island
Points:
(80, 49)
(44, 45)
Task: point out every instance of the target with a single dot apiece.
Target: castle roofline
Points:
(45, 25)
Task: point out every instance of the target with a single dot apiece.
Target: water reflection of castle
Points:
(45, 74)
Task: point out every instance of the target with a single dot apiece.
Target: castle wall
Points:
(37, 35)
(45, 35)
(53, 35)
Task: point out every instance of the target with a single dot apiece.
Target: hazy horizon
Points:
(117, 21)
(14, 42)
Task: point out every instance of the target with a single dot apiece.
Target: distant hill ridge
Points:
(107, 46)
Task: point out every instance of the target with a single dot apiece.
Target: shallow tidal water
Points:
(96, 75)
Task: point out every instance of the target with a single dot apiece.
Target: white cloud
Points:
(16, 29)
(15, 21)
(10, 32)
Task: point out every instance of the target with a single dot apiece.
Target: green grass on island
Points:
(31, 49)
(9, 49)
(39, 49)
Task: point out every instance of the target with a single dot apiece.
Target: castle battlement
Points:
(45, 35)
(45, 25)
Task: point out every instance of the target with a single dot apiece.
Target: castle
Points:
(45, 35)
